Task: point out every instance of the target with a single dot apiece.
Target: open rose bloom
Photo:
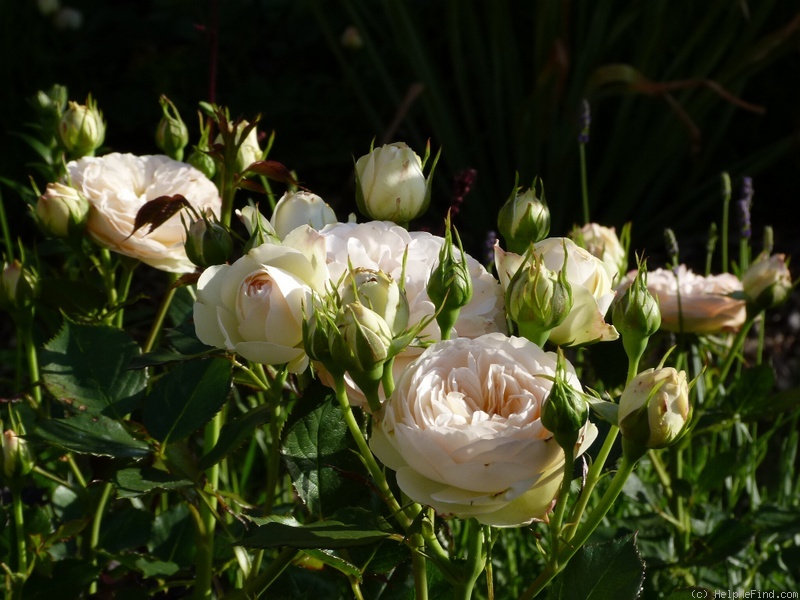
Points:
(463, 431)
(692, 303)
(255, 307)
(118, 185)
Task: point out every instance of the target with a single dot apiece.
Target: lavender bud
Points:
(745, 203)
(584, 120)
(671, 244)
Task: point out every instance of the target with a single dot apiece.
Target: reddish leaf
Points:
(274, 170)
(157, 211)
(186, 279)
(253, 186)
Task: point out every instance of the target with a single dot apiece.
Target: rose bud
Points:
(249, 149)
(17, 458)
(258, 227)
(390, 185)
(19, 286)
(450, 284)
(654, 409)
(62, 211)
(81, 129)
(636, 315)
(208, 243)
(300, 208)
(380, 293)
(524, 219)
(172, 134)
(538, 299)
(564, 411)
(364, 340)
(767, 282)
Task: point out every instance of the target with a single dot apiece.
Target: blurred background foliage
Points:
(679, 91)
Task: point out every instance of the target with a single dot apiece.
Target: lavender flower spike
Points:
(745, 204)
(584, 120)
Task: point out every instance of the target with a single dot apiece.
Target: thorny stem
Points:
(582, 535)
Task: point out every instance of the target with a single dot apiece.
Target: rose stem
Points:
(155, 328)
(207, 520)
(582, 535)
(434, 549)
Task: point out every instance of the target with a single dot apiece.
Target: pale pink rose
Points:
(118, 185)
(463, 430)
(692, 303)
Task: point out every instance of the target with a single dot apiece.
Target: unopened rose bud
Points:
(767, 283)
(258, 227)
(320, 331)
(300, 208)
(390, 185)
(537, 299)
(249, 149)
(364, 341)
(203, 162)
(636, 315)
(172, 135)
(379, 292)
(564, 411)
(208, 243)
(524, 219)
(450, 284)
(62, 210)
(19, 287)
(653, 410)
(17, 457)
(81, 129)
(49, 106)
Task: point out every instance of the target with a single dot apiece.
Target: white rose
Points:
(255, 306)
(391, 184)
(380, 246)
(692, 303)
(118, 185)
(463, 430)
(591, 289)
(300, 208)
(603, 243)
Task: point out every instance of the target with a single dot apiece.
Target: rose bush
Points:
(695, 304)
(255, 306)
(118, 185)
(381, 246)
(591, 289)
(463, 431)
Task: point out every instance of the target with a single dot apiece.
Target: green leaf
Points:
(751, 388)
(146, 565)
(134, 481)
(87, 434)
(186, 398)
(173, 539)
(604, 409)
(353, 527)
(327, 557)
(235, 433)
(776, 404)
(69, 579)
(86, 367)
(319, 454)
(126, 529)
(601, 571)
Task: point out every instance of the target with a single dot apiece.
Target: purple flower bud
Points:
(584, 120)
(745, 204)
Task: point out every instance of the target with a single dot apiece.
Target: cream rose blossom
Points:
(463, 430)
(695, 304)
(602, 242)
(255, 307)
(380, 246)
(592, 293)
(118, 185)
